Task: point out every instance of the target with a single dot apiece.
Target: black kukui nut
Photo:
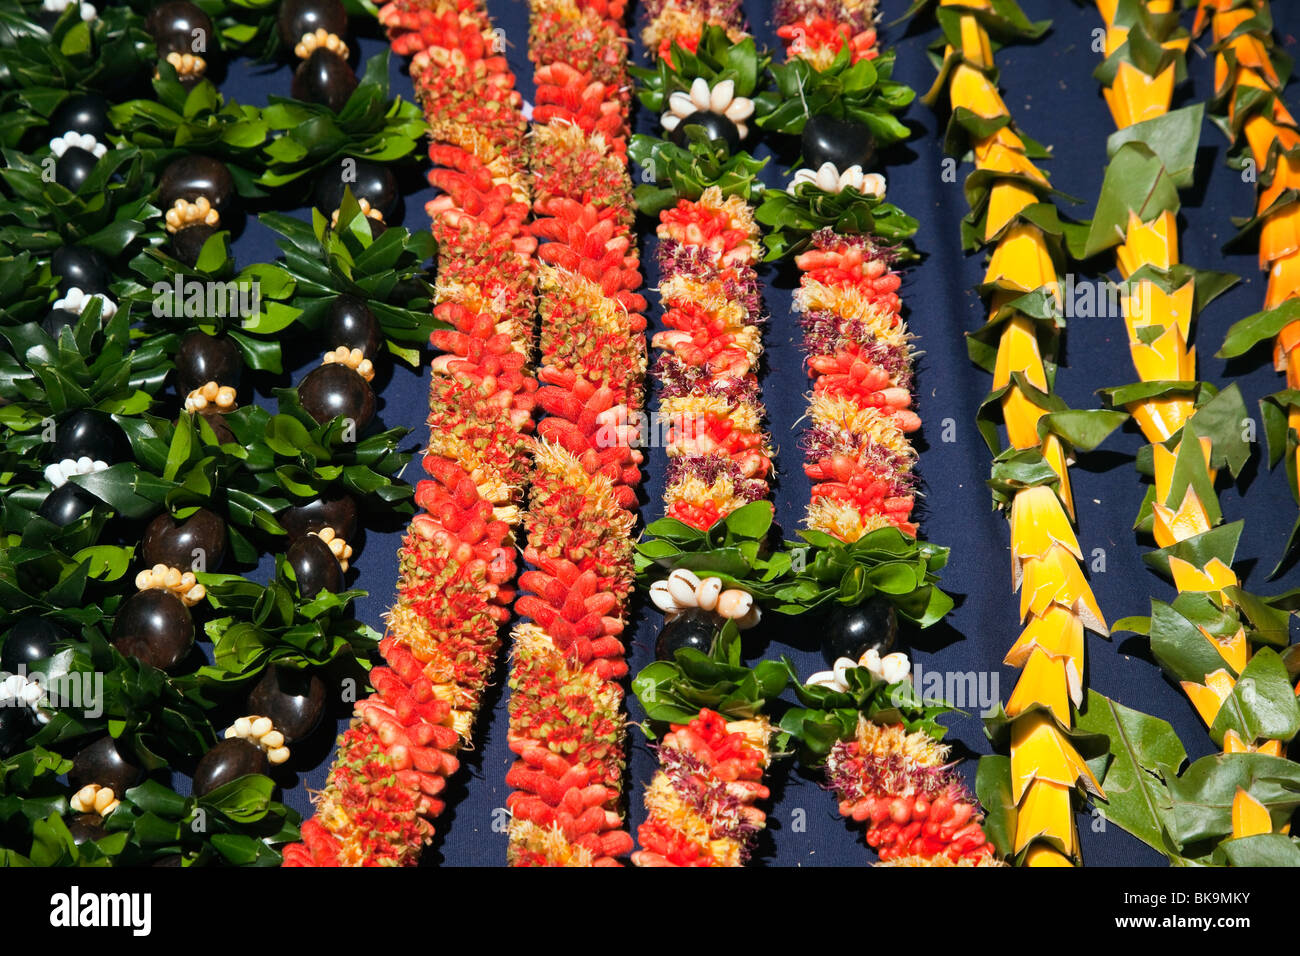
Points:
(106, 763)
(66, 504)
(180, 27)
(373, 182)
(74, 167)
(695, 629)
(88, 433)
(324, 78)
(56, 320)
(714, 125)
(351, 323)
(30, 640)
(16, 725)
(293, 699)
(204, 358)
(852, 631)
(229, 760)
(329, 511)
(181, 544)
(297, 17)
(86, 828)
(170, 860)
(81, 268)
(843, 143)
(332, 390)
(154, 626)
(187, 243)
(315, 567)
(190, 177)
(82, 113)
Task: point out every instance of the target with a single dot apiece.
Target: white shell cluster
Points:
(61, 144)
(86, 10)
(891, 668)
(338, 547)
(684, 591)
(184, 584)
(57, 473)
(721, 98)
(830, 180)
(16, 690)
(92, 798)
(74, 300)
(260, 732)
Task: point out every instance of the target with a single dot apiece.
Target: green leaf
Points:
(1262, 704)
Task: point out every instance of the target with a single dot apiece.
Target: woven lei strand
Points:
(457, 559)
(566, 704)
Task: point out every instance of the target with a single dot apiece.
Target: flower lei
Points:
(457, 558)
(566, 721)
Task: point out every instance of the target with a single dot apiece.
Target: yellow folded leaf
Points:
(1040, 854)
(1283, 280)
(1058, 633)
(1044, 682)
(1189, 520)
(1135, 97)
(1003, 159)
(1037, 522)
(1249, 816)
(1150, 243)
(1107, 10)
(1053, 452)
(1207, 698)
(1161, 418)
(1046, 814)
(970, 88)
(1021, 260)
(1234, 650)
(1116, 37)
(1021, 418)
(1039, 751)
(1147, 304)
(975, 46)
(1007, 199)
(1058, 579)
(1165, 359)
(1280, 235)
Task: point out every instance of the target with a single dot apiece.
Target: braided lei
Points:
(457, 558)
(566, 717)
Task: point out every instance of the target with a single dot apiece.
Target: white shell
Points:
(682, 585)
(828, 178)
(895, 667)
(749, 620)
(706, 595)
(871, 661)
(669, 121)
(825, 679)
(741, 108)
(700, 93)
(680, 104)
(734, 603)
(721, 96)
(873, 184)
(662, 598)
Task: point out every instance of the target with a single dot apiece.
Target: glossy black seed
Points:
(324, 78)
(30, 640)
(351, 323)
(82, 113)
(81, 268)
(315, 566)
(852, 631)
(332, 390)
(307, 16)
(16, 725)
(293, 699)
(714, 125)
(694, 629)
(106, 762)
(329, 511)
(56, 320)
(204, 358)
(66, 504)
(74, 167)
(86, 828)
(88, 433)
(173, 26)
(174, 543)
(190, 177)
(229, 760)
(844, 143)
(154, 627)
(373, 182)
(187, 243)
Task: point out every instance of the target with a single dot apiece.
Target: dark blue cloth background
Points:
(1052, 95)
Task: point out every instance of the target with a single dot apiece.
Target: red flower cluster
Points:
(457, 560)
(566, 719)
(701, 801)
(859, 358)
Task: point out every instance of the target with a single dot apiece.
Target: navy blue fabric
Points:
(1052, 95)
